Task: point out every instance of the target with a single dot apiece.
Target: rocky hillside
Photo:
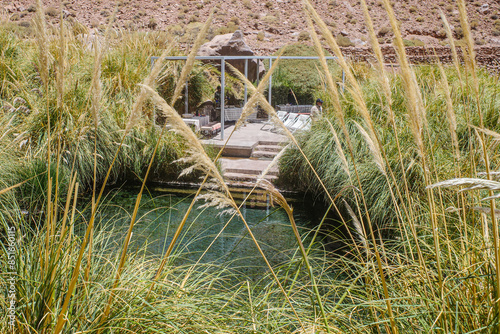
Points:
(268, 25)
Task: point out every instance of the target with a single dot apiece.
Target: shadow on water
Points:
(162, 210)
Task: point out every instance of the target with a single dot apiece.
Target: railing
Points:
(223, 60)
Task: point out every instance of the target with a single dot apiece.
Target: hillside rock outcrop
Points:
(233, 45)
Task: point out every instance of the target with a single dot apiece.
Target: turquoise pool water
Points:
(210, 236)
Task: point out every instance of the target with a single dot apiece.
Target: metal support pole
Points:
(270, 81)
(343, 81)
(186, 95)
(246, 77)
(223, 97)
(258, 68)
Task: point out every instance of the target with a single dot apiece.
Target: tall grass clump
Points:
(404, 165)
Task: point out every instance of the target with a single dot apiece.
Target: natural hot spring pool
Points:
(161, 212)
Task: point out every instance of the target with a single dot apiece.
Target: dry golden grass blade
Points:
(276, 196)
(360, 230)
(249, 107)
(358, 98)
(414, 103)
(5, 190)
(470, 59)
(417, 117)
(186, 69)
(332, 43)
(469, 183)
(135, 114)
(382, 73)
(354, 88)
(468, 52)
(329, 79)
(61, 63)
(377, 157)
(95, 96)
(273, 116)
(484, 210)
(339, 149)
(494, 135)
(451, 40)
(385, 84)
(42, 41)
(201, 161)
(338, 111)
(452, 122)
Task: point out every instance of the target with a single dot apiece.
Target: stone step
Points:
(246, 177)
(257, 154)
(272, 171)
(270, 142)
(245, 166)
(269, 148)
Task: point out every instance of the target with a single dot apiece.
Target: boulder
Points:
(233, 45)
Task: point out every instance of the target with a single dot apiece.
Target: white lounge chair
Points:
(282, 115)
(303, 122)
(292, 118)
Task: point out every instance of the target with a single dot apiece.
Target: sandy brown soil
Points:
(268, 25)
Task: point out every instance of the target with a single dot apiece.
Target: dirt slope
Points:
(268, 25)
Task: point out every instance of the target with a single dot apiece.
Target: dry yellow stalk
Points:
(453, 47)
(141, 98)
(329, 80)
(42, 41)
(354, 88)
(377, 158)
(382, 74)
(414, 103)
(186, 69)
(452, 122)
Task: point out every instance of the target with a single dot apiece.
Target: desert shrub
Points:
(152, 24)
(413, 42)
(235, 20)
(51, 11)
(304, 36)
(228, 29)
(270, 19)
(343, 41)
(384, 31)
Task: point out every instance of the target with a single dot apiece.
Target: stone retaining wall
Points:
(488, 56)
